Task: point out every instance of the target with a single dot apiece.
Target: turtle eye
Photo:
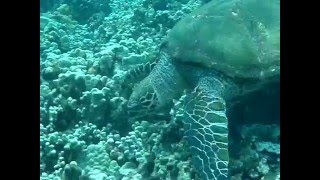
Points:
(142, 99)
(146, 103)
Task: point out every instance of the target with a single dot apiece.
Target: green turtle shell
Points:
(240, 38)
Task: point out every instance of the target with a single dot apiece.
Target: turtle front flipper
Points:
(206, 129)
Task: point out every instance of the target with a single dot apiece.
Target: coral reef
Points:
(85, 49)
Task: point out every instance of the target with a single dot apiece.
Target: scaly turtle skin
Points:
(224, 49)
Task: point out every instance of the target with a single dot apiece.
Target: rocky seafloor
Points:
(86, 47)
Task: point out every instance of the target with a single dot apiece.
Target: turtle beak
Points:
(133, 108)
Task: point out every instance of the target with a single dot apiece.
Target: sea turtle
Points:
(223, 50)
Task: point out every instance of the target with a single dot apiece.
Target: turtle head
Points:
(143, 100)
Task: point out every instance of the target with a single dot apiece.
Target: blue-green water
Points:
(87, 47)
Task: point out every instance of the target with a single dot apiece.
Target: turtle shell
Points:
(240, 38)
